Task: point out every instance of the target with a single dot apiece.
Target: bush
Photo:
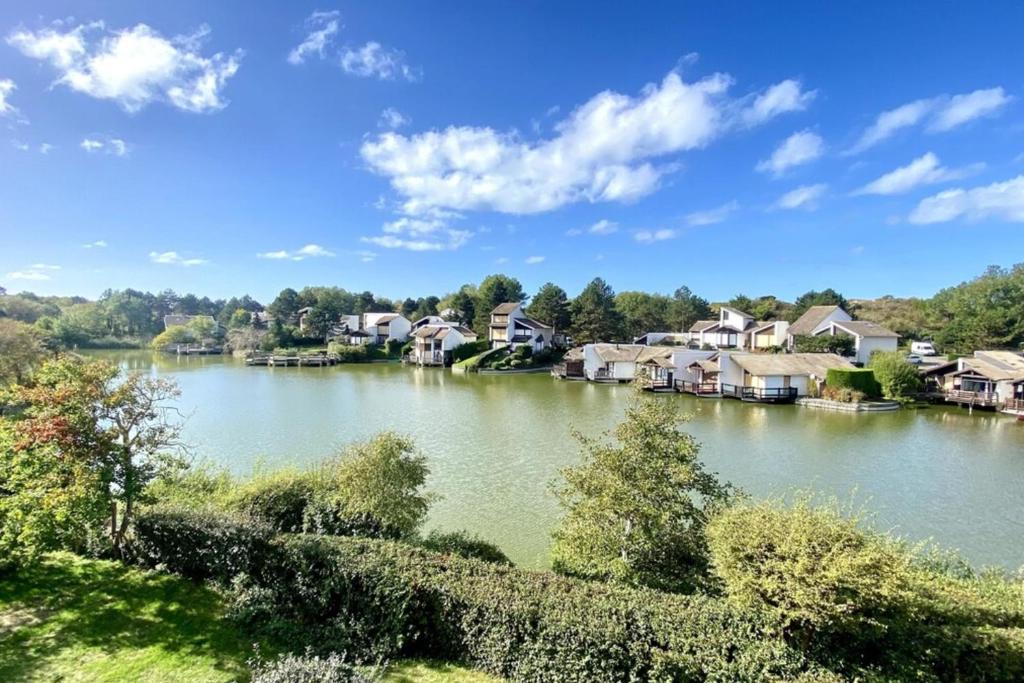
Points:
(393, 347)
(469, 349)
(348, 353)
(855, 379)
(464, 545)
(898, 378)
(330, 516)
(843, 395)
(843, 345)
(199, 543)
(857, 600)
(278, 500)
(308, 668)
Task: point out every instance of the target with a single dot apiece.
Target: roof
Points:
(701, 325)
(357, 333)
(574, 354)
(464, 331)
(531, 323)
(506, 308)
(656, 355)
(769, 364)
(618, 353)
(863, 328)
(997, 365)
(386, 318)
(707, 365)
(814, 316)
(736, 311)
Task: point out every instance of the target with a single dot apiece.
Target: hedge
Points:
(855, 379)
(377, 599)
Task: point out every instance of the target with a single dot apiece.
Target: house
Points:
(571, 366)
(867, 337)
(302, 313)
(383, 327)
(735, 329)
(702, 377)
(433, 344)
(774, 378)
(663, 339)
(510, 326)
(663, 368)
(427, 320)
(179, 320)
(988, 379)
(611, 362)
(659, 367)
(815, 319)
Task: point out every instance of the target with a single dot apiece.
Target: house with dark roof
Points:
(510, 326)
(868, 337)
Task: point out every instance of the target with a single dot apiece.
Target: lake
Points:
(495, 444)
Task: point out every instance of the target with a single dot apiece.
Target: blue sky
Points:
(407, 148)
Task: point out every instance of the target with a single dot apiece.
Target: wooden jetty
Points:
(309, 360)
(193, 350)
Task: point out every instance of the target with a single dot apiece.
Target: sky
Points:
(408, 148)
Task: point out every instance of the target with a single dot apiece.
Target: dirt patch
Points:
(13, 619)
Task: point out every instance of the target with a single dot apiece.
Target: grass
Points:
(75, 619)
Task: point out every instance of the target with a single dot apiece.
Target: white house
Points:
(382, 327)
(868, 337)
(660, 365)
(815, 319)
(774, 377)
(434, 344)
(611, 362)
(665, 368)
(735, 329)
(427, 320)
(511, 326)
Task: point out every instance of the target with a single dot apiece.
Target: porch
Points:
(979, 399)
(703, 389)
(759, 394)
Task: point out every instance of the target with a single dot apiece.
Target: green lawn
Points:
(72, 619)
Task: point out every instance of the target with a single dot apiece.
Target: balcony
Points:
(982, 399)
(697, 388)
(759, 394)
(1014, 405)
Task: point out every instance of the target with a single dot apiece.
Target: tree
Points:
(464, 304)
(382, 479)
(21, 351)
(636, 508)
(551, 306)
(742, 302)
(425, 306)
(828, 297)
(99, 437)
(642, 312)
(842, 344)
(239, 319)
(985, 313)
(494, 290)
(286, 306)
(689, 308)
(593, 314)
(899, 379)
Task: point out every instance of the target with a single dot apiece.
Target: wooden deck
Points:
(972, 399)
(308, 360)
(760, 395)
(700, 389)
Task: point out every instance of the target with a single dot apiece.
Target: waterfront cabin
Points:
(611, 362)
(774, 378)
(434, 344)
(702, 378)
(382, 327)
(814, 320)
(988, 379)
(667, 369)
(735, 329)
(868, 337)
(571, 366)
(510, 326)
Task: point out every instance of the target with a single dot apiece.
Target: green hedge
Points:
(381, 599)
(855, 379)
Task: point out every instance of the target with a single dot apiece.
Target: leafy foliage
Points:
(636, 507)
(551, 306)
(841, 344)
(854, 379)
(593, 313)
(21, 351)
(985, 313)
(898, 378)
(494, 290)
(306, 668)
(464, 544)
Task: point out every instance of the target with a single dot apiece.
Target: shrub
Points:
(198, 543)
(464, 545)
(897, 378)
(855, 379)
(843, 345)
(196, 486)
(393, 347)
(348, 353)
(307, 668)
(329, 515)
(843, 394)
(469, 349)
(515, 363)
(278, 500)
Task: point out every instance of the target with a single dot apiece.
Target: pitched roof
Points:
(863, 328)
(656, 355)
(736, 311)
(701, 325)
(531, 323)
(770, 364)
(386, 318)
(574, 354)
(997, 365)
(813, 317)
(505, 309)
(618, 353)
(707, 365)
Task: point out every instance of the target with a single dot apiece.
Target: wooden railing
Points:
(602, 373)
(1014, 404)
(698, 388)
(978, 398)
(759, 393)
(659, 383)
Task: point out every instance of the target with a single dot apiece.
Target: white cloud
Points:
(961, 109)
(393, 119)
(651, 236)
(98, 244)
(712, 216)
(133, 66)
(22, 146)
(780, 98)
(376, 61)
(501, 259)
(7, 86)
(602, 151)
(45, 148)
(803, 197)
(799, 148)
(453, 240)
(925, 170)
(36, 272)
(574, 232)
(323, 26)
(300, 254)
(603, 227)
(172, 258)
(1001, 201)
(115, 146)
(945, 113)
(534, 260)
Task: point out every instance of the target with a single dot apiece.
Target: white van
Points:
(923, 348)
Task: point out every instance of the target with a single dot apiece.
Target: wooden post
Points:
(113, 519)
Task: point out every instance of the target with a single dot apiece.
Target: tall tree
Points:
(827, 297)
(286, 306)
(643, 312)
(742, 302)
(463, 302)
(593, 314)
(550, 305)
(637, 506)
(689, 308)
(21, 351)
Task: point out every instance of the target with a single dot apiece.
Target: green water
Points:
(496, 443)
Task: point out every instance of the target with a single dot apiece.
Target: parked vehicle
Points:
(914, 359)
(923, 348)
